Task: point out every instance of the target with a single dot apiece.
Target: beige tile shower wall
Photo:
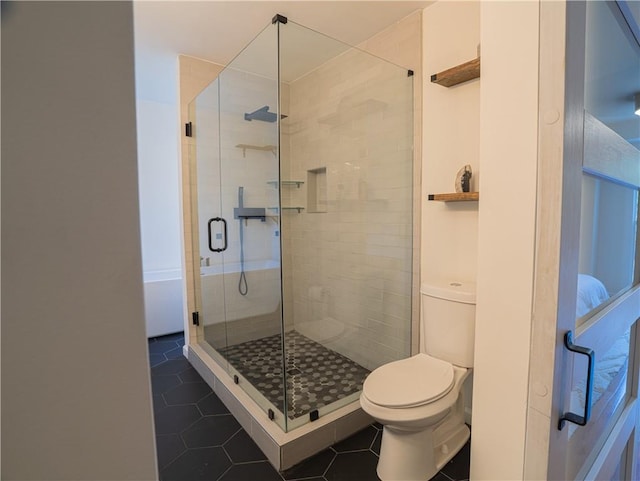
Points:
(289, 197)
(401, 43)
(195, 75)
(353, 266)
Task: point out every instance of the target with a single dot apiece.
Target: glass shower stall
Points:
(301, 202)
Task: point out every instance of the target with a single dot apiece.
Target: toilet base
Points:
(419, 455)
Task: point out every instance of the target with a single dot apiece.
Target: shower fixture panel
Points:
(244, 213)
(249, 213)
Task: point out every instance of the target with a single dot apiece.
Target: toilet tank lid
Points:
(451, 290)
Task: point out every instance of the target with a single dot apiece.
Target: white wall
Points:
(506, 231)
(159, 188)
(76, 400)
(156, 73)
(159, 184)
(451, 129)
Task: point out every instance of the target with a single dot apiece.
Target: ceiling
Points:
(218, 30)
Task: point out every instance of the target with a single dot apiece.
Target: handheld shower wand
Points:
(243, 287)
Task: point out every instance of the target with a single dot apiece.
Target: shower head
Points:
(263, 114)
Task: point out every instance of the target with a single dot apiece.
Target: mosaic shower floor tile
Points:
(316, 375)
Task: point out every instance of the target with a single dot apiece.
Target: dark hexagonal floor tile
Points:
(155, 359)
(174, 366)
(262, 471)
(212, 405)
(162, 384)
(178, 336)
(353, 466)
(158, 403)
(242, 449)
(312, 467)
(160, 347)
(169, 447)
(175, 419)
(204, 464)
(189, 393)
(458, 468)
(211, 431)
(190, 375)
(359, 441)
(375, 447)
(175, 353)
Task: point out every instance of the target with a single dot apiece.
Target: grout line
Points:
(183, 444)
(373, 441)
(232, 436)
(363, 450)
(258, 461)
(188, 427)
(330, 464)
(226, 471)
(301, 479)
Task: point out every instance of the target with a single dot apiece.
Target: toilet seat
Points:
(418, 380)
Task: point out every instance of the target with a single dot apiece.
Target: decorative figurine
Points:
(463, 179)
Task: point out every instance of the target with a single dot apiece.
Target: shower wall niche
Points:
(301, 170)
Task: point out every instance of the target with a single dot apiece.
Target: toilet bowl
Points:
(419, 400)
(423, 424)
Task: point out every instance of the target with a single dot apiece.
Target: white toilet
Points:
(419, 400)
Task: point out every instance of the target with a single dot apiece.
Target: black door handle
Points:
(573, 417)
(224, 232)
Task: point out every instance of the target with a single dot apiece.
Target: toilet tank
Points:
(448, 321)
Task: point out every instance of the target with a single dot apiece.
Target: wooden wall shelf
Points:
(458, 74)
(455, 197)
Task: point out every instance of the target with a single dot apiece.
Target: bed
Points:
(611, 366)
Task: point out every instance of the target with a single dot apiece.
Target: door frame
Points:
(560, 154)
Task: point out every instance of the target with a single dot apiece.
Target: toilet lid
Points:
(417, 380)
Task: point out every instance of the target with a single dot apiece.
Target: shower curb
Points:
(283, 449)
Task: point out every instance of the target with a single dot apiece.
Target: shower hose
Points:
(243, 288)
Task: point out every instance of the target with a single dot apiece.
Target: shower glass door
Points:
(238, 206)
(346, 153)
(302, 199)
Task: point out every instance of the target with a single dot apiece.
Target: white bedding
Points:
(607, 366)
(591, 293)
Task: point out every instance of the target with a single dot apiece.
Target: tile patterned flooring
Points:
(199, 440)
(316, 376)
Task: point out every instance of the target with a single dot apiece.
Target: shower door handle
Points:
(224, 234)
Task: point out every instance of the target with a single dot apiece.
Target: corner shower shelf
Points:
(455, 196)
(245, 147)
(458, 74)
(299, 209)
(297, 183)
